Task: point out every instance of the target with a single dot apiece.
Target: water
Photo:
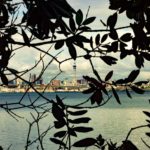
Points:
(112, 120)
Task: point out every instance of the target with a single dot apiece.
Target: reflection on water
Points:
(112, 121)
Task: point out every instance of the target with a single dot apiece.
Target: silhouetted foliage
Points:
(57, 23)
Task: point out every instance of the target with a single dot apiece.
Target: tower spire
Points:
(75, 73)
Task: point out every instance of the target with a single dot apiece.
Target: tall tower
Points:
(75, 74)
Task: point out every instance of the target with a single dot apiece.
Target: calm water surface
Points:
(113, 121)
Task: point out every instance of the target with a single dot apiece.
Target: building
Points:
(55, 83)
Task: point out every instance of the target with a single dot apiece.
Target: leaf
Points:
(133, 75)
(59, 124)
(126, 37)
(88, 91)
(148, 134)
(148, 122)
(97, 39)
(120, 81)
(84, 28)
(77, 113)
(79, 17)
(146, 56)
(4, 79)
(128, 93)
(80, 120)
(128, 145)
(57, 112)
(112, 20)
(108, 60)
(88, 20)
(59, 44)
(82, 38)
(72, 50)
(72, 24)
(56, 141)
(60, 134)
(114, 46)
(116, 95)
(137, 90)
(139, 61)
(85, 142)
(113, 34)
(25, 38)
(146, 113)
(83, 129)
(104, 38)
(140, 83)
(97, 97)
(59, 102)
(97, 75)
(109, 75)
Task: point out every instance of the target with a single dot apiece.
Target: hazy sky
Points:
(27, 56)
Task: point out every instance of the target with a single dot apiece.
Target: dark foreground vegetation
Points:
(56, 24)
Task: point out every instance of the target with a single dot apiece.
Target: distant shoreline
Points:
(147, 89)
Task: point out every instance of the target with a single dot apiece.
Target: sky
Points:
(26, 57)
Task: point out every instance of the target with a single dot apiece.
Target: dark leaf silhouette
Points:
(85, 142)
(140, 83)
(116, 95)
(113, 34)
(84, 28)
(109, 60)
(128, 93)
(148, 134)
(56, 141)
(89, 20)
(104, 37)
(133, 75)
(97, 75)
(4, 79)
(139, 61)
(60, 102)
(83, 129)
(59, 124)
(112, 20)
(109, 75)
(59, 44)
(77, 113)
(60, 134)
(146, 56)
(57, 112)
(88, 91)
(97, 97)
(128, 145)
(147, 113)
(80, 120)
(72, 50)
(72, 24)
(114, 46)
(126, 37)
(137, 90)
(97, 39)
(25, 38)
(79, 17)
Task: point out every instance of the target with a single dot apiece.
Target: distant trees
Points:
(43, 22)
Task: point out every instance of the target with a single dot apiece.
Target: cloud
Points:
(26, 57)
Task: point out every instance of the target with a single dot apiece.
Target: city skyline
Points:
(98, 9)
